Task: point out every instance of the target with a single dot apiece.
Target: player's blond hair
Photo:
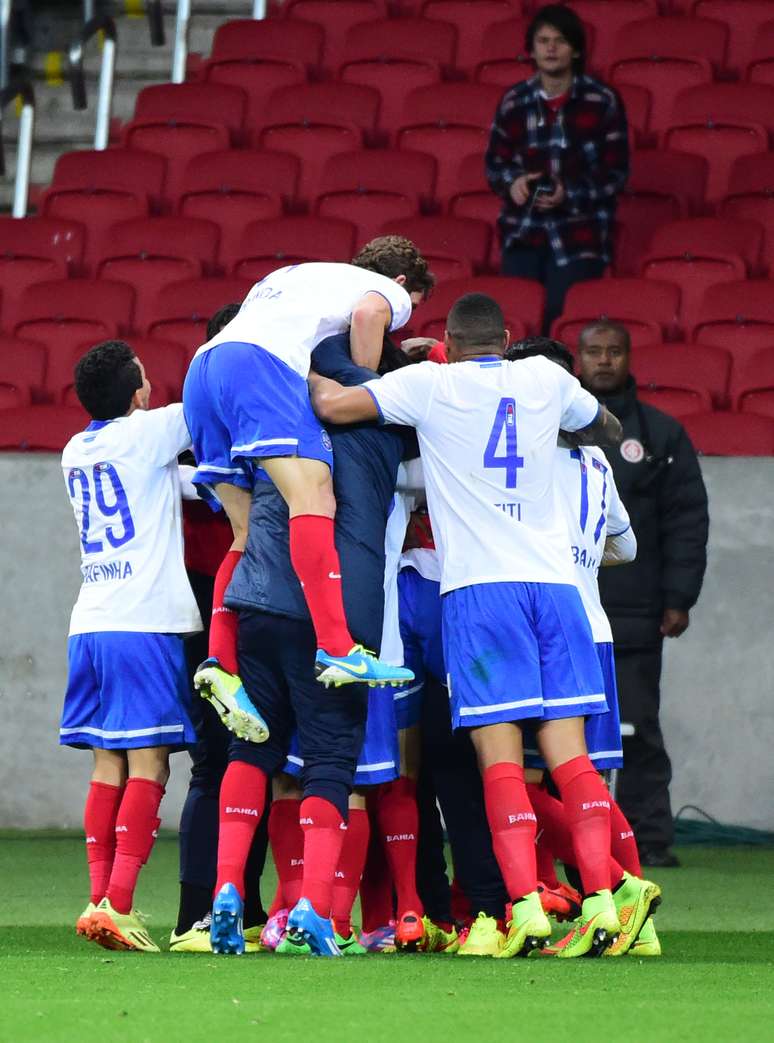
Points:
(392, 255)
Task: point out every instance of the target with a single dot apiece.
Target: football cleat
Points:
(315, 930)
(528, 928)
(634, 901)
(253, 937)
(114, 930)
(357, 667)
(226, 932)
(382, 939)
(438, 940)
(83, 923)
(594, 931)
(196, 939)
(484, 938)
(293, 944)
(275, 928)
(226, 693)
(410, 932)
(350, 946)
(562, 902)
(647, 943)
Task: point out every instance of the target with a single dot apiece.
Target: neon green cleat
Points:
(227, 695)
(293, 945)
(595, 929)
(438, 940)
(83, 923)
(484, 938)
(350, 946)
(647, 943)
(197, 939)
(253, 941)
(634, 901)
(114, 930)
(528, 929)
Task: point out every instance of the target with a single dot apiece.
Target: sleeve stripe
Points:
(376, 401)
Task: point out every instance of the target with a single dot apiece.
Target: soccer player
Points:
(127, 693)
(247, 405)
(517, 643)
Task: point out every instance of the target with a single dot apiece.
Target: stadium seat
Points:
(721, 144)
(504, 73)
(452, 104)
(606, 19)
(47, 428)
(138, 173)
(313, 146)
(165, 365)
(34, 249)
(394, 80)
(694, 274)
(664, 78)
(752, 386)
(336, 17)
(178, 142)
(760, 68)
(202, 103)
(685, 367)
(738, 317)
(474, 198)
(448, 243)
(262, 174)
(471, 22)
(275, 39)
(103, 307)
(348, 105)
(744, 19)
(648, 308)
(726, 102)
(751, 198)
(23, 361)
(268, 245)
(637, 103)
(258, 80)
(415, 39)
(522, 301)
(711, 236)
(676, 401)
(450, 146)
(182, 310)
(501, 43)
(672, 36)
(730, 434)
(13, 394)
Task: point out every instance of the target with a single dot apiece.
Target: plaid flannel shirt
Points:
(585, 146)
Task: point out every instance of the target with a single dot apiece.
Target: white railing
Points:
(182, 21)
(105, 25)
(8, 96)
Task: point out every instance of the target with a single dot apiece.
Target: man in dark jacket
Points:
(660, 483)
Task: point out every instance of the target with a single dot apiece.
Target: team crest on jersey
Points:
(326, 441)
(632, 451)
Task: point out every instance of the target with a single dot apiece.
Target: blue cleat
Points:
(316, 931)
(360, 666)
(226, 933)
(226, 693)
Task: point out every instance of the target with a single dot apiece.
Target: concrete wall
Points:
(718, 695)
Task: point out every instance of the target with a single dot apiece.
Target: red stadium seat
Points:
(744, 19)
(664, 78)
(14, 394)
(138, 173)
(313, 146)
(165, 365)
(676, 401)
(500, 42)
(521, 300)
(23, 364)
(694, 274)
(202, 103)
(683, 366)
(606, 19)
(721, 144)
(182, 310)
(33, 249)
(450, 240)
(760, 68)
(47, 428)
(504, 73)
(336, 17)
(450, 146)
(105, 307)
(244, 172)
(649, 309)
(752, 386)
(471, 21)
(726, 102)
(394, 80)
(415, 39)
(258, 80)
(251, 39)
(178, 142)
(751, 198)
(452, 104)
(637, 103)
(730, 434)
(738, 317)
(673, 37)
(348, 105)
(268, 245)
(710, 236)
(389, 171)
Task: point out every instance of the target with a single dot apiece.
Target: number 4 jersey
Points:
(487, 433)
(123, 482)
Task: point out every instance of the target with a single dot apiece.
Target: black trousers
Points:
(643, 787)
(531, 263)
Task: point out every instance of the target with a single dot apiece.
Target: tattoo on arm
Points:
(606, 430)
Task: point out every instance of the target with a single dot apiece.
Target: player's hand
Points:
(417, 348)
(549, 202)
(674, 622)
(522, 187)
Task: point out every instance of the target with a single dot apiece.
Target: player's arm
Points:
(336, 404)
(604, 430)
(371, 318)
(620, 548)
(620, 541)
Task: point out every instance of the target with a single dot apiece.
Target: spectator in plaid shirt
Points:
(558, 156)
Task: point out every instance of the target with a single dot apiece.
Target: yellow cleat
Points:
(529, 928)
(83, 923)
(253, 941)
(114, 930)
(594, 931)
(438, 940)
(484, 938)
(634, 901)
(197, 939)
(647, 943)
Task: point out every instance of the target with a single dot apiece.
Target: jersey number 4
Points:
(101, 473)
(505, 420)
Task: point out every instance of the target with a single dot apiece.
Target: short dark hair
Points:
(392, 255)
(106, 378)
(476, 320)
(610, 325)
(532, 347)
(565, 21)
(221, 318)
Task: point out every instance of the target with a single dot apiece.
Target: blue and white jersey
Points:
(487, 433)
(593, 511)
(292, 310)
(123, 482)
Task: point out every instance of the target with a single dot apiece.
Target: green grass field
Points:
(714, 982)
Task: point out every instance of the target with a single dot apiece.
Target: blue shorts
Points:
(379, 759)
(242, 403)
(603, 730)
(419, 606)
(519, 651)
(126, 691)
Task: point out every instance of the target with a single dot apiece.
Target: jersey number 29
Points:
(505, 419)
(101, 473)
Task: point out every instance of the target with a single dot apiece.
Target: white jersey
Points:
(123, 481)
(487, 433)
(593, 511)
(411, 479)
(290, 311)
(394, 536)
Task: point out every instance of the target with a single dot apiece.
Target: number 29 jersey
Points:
(487, 433)
(123, 482)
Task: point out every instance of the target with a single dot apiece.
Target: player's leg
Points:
(287, 845)
(349, 873)
(376, 893)
(99, 823)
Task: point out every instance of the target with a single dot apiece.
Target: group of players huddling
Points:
(489, 451)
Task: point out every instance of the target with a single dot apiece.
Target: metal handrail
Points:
(89, 10)
(107, 26)
(183, 18)
(155, 22)
(5, 40)
(8, 95)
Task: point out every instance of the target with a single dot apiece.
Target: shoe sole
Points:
(238, 721)
(105, 933)
(532, 943)
(225, 937)
(312, 941)
(650, 900)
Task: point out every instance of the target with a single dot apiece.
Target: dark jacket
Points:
(659, 480)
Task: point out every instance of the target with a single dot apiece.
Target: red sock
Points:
(546, 867)
(350, 870)
(316, 563)
(512, 824)
(224, 622)
(242, 800)
(376, 898)
(99, 824)
(552, 824)
(136, 824)
(399, 825)
(623, 845)
(287, 847)
(324, 830)
(587, 807)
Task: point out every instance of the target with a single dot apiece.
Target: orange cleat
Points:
(562, 902)
(409, 932)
